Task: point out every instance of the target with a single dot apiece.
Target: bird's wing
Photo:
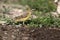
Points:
(21, 16)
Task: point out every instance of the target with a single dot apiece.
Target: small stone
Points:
(25, 38)
(17, 30)
(13, 36)
(5, 33)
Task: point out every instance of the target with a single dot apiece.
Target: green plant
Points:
(40, 5)
(45, 19)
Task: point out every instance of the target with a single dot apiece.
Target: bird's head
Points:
(28, 9)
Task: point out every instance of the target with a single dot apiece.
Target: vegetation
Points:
(47, 20)
(42, 10)
(40, 5)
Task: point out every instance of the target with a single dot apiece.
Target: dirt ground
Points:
(8, 32)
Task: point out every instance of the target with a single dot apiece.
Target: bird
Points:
(22, 18)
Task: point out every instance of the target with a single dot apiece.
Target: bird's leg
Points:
(23, 22)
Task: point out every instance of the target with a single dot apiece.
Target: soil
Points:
(11, 32)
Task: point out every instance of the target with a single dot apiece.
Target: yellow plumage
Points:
(23, 19)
